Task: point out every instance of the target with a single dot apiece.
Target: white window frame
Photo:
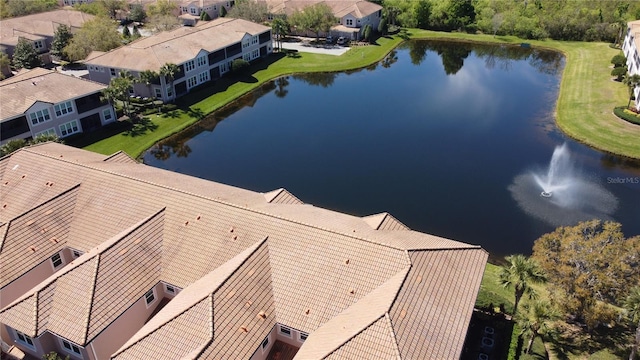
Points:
(192, 82)
(193, 11)
(112, 71)
(50, 131)
(348, 22)
(76, 253)
(189, 65)
(69, 128)
(202, 60)
(56, 258)
(24, 339)
(39, 116)
(63, 108)
(71, 348)
(38, 45)
(285, 331)
(302, 336)
(254, 40)
(105, 113)
(264, 345)
(203, 77)
(157, 92)
(224, 68)
(151, 294)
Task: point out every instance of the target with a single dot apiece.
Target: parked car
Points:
(342, 40)
(330, 39)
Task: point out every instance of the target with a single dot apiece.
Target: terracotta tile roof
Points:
(281, 196)
(121, 157)
(375, 342)
(77, 302)
(43, 24)
(435, 327)
(340, 8)
(20, 92)
(36, 235)
(317, 267)
(177, 46)
(226, 322)
(384, 221)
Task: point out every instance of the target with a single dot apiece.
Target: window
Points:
(223, 68)
(51, 131)
(158, 92)
(189, 65)
(285, 331)
(349, 22)
(303, 336)
(107, 115)
(112, 71)
(246, 57)
(71, 347)
(24, 339)
(184, 9)
(254, 40)
(76, 253)
(169, 92)
(265, 343)
(69, 128)
(56, 260)
(170, 289)
(202, 61)
(149, 297)
(191, 82)
(39, 116)
(203, 77)
(38, 45)
(245, 44)
(194, 11)
(63, 108)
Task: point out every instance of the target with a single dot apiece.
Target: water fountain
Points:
(561, 194)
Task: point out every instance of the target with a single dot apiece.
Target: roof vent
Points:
(123, 251)
(231, 229)
(30, 222)
(248, 303)
(262, 315)
(54, 240)
(352, 291)
(24, 176)
(418, 279)
(307, 311)
(6, 183)
(244, 329)
(403, 313)
(230, 294)
(346, 262)
(4, 206)
(33, 249)
(235, 237)
(198, 217)
(49, 212)
(186, 223)
(51, 184)
(44, 230)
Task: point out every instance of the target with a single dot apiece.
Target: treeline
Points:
(594, 20)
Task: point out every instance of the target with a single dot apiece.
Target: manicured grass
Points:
(584, 108)
(491, 292)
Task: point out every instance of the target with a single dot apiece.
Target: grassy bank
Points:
(584, 109)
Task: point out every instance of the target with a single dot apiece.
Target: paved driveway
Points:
(304, 45)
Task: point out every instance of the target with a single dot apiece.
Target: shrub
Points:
(627, 114)
(619, 72)
(619, 61)
(239, 65)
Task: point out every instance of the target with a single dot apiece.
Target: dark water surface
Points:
(438, 134)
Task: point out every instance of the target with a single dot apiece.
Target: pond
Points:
(447, 137)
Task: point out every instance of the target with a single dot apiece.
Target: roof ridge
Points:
(396, 347)
(237, 206)
(86, 322)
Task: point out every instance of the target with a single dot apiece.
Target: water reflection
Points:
(317, 79)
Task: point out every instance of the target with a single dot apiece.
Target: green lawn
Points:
(584, 109)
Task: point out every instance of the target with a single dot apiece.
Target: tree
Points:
(13, 8)
(281, 28)
(255, 11)
(99, 34)
(632, 81)
(587, 265)
(61, 38)
(316, 18)
(135, 33)
(54, 356)
(520, 272)
(204, 16)
(126, 33)
(148, 77)
(239, 65)
(25, 55)
(162, 7)
(383, 25)
(4, 64)
(367, 33)
(422, 12)
(169, 71)
(137, 13)
(535, 320)
(619, 60)
(163, 22)
(632, 308)
(112, 6)
(223, 11)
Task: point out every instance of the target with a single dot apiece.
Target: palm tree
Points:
(632, 81)
(170, 71)
(535, 320)
(520, 272)
(632, 306)
(147, 77)
(281, 27)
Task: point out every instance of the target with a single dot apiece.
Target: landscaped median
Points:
(584, 108)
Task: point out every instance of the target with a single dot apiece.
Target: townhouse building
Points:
(39, 29)
(352, 15)
(43, 101)
(203, 54)
(106, 258)
(630, 48)
(190, 10)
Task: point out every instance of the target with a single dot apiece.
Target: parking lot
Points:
(304, 44)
